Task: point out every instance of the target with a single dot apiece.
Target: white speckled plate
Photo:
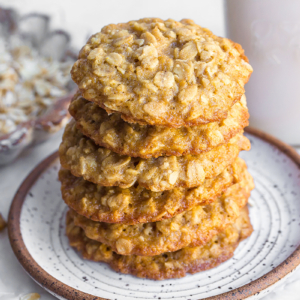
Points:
(37, 235)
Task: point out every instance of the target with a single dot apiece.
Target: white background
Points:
(81, 19)
(84, 17)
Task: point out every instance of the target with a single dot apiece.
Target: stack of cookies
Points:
(150, 166)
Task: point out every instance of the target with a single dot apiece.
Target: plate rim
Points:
(38, 274)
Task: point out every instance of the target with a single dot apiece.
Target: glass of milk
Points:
(269, 31)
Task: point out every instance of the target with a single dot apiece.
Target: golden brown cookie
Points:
(168, 265)
(84, 158)
(139, 205)
(110, 131)
(191, 228)
(162, 72)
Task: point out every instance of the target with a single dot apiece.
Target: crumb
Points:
(31, 296)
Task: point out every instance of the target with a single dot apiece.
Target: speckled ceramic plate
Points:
(37, 235)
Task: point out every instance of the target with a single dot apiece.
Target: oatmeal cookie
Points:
(191, 228)
(162, 72)
(139, 205)
(84, 158)
(168, 265)
(146, 141)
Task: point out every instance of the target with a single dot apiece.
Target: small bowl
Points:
(34, 30)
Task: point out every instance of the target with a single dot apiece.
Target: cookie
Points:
(111, 132)
(188, 229)
(99, 165)
(168, 265)
(162, 72)
(139, 205)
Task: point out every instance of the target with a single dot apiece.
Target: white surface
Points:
(14, 281)
(275, 215)
(83, 18)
